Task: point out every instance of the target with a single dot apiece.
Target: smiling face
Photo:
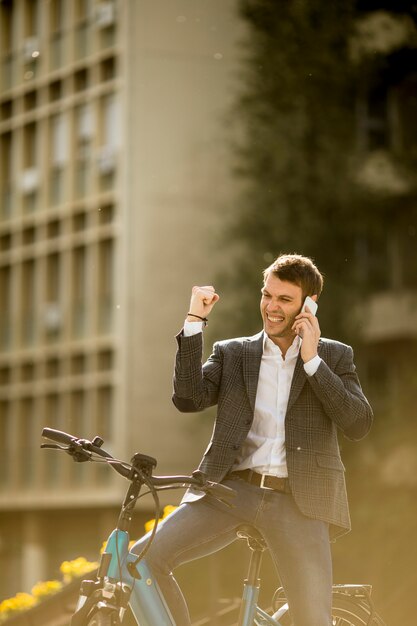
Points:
(281, 301)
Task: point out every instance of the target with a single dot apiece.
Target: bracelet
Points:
(203, 319)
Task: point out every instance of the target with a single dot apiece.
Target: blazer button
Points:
(298, 448)
(235, 447)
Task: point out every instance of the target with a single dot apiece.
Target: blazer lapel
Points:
(252, 355)
(298, 379)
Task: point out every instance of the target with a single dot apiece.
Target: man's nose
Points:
(273, 307)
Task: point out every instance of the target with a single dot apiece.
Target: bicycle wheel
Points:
(104, 618)
(345, 612)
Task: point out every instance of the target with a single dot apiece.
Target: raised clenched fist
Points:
(202, 301)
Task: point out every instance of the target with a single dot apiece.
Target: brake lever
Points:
(75, 450)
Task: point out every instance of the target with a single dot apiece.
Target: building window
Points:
(109, 133)
(30, 101)
(83, 10)
(77, 417)
(77, 427)
(31, 49)
(79, 291)
(5, 443)
(108, 69)
(106, 285)
(27, 439)
(6, 307)
(27, 371)
(28, 303)
(6, 110)
(53, 314)
(104, 412)
(59, 157)
(105, 21)
(83, 151)
(6, 169)
(105, 360)
(31, 171)
(53, 464)
(57, 20)
(103, 426)
(7, 36)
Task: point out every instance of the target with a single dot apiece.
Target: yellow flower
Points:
(47, 588)
(167, 511)
(20, 602)
(76, 568)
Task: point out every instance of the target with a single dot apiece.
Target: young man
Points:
(281, 396)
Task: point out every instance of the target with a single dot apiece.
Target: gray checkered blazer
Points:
(317, 407)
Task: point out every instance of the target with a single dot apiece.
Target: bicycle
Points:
(123, 578)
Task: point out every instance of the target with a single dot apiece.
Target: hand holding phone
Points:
(308, 330)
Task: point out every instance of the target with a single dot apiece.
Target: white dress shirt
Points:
(264, 448)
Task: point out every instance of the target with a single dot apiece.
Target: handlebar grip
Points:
(58, 435)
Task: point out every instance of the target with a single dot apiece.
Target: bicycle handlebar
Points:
(83, 449)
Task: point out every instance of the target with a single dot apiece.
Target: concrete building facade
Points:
(114, 179)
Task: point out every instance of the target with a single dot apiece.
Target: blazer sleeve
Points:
(340, 393)
(196, 386)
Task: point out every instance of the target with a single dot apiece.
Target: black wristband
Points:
(203, 319)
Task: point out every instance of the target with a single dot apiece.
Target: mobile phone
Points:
(313, 306)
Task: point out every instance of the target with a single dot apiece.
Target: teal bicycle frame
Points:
(144, 596)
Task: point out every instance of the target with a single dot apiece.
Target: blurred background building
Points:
(113, 180)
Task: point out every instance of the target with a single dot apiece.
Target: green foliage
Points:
(298, 160)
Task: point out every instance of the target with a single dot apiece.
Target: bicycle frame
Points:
(146, 601)
(124, 578)
(144, 596)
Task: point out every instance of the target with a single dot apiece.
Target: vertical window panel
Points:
(7, 32)
(5, 308)
(53, 313)
(59, 151)
(78, 427)
(60, 141)
(111, 121)
(31, 17)
(30, 176)
(106, 285)
(84, 139)
(79, 291)
(103, 425)
(5, 459)
(27, 438)
(28, 302)
(57, 20)
(53, 462)
(6, 169)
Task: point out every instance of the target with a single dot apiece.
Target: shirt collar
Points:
(270, 348)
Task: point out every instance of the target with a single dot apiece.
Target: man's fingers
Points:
(207, 294)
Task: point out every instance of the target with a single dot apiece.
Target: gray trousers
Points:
(299, 547)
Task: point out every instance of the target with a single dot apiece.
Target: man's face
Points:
(281, 301)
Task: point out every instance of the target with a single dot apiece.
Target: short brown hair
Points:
(297, 269)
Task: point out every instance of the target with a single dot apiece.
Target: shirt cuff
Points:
(312, 365)
(192, 328)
